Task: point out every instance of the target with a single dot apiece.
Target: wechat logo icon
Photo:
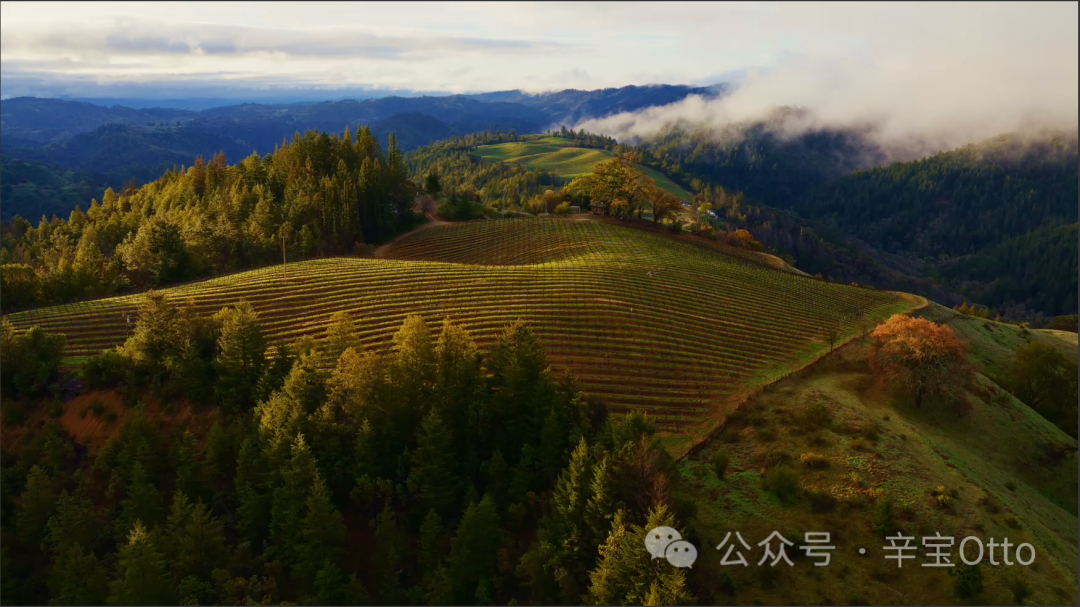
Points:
(665, 542)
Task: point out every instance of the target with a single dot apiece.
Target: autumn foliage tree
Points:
(925, 358)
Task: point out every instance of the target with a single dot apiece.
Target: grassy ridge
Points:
(871, 446)
(558, 155)
(643, 320)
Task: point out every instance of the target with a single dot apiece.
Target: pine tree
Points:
(73, 524)
(77, 578)
(38, 502)
(433, 478)
(289, 503)
(432, 540)
(474, 549)
(414, 367)
(143, 502)
(627, 575)
(391, 546)
(195, 539)
(220, 460)
(190, 475)
(458, 377)
(253, 511)
(274, 376)
(356, 383)
(341, 335)
(142, 573)
(241, 356)
(322, 533)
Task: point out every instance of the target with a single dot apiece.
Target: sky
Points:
(933, 67)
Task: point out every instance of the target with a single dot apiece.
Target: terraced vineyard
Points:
(560, 156)
(643, 320)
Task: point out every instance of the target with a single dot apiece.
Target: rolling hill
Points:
(868, 449)
(673, 326)
(558, 155)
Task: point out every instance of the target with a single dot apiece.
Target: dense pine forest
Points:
(436, 474)
(318, 194)
(936, 226)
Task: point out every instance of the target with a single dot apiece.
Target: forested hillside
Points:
(994, 222)
(317, 195)
(35, 189)
(1002, 213)
(437, 473)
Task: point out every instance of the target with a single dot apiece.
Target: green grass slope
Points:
(643, 320)
(558, 155)
(990, 461)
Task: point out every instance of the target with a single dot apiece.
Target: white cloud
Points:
(944, 71)
(926, 76)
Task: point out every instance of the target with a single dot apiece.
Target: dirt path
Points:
(433, 220)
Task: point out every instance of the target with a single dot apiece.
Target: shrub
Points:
(968, 581)
(97, 407)
(814, 460)
(29, 360)
(13, 413)
(821, 502)
(55, 408)
(729, 435)
(1010, 485)
(992, 505)
(110, 416)
(104, 370)
(1019, 588)
(766, 434)
(884, 516)
(720, 461)
(563, 209)
(816, 415)
(941, 498)
(783, 481)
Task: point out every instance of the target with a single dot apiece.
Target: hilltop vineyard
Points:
(643, 320)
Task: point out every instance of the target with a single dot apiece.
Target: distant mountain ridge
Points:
(121, 143)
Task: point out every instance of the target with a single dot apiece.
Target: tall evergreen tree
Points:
(142, 573)
(38, 502)
(474, 549)
(241, 356)
(433, 478)
(77, 577)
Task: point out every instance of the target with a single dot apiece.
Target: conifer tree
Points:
(73, 524)
(356, 382)
(253, 510)
(142, 573)
(38, 502)
(77, 577)
(322, 532)
(391, 546)
(241, 356)
(474, 549)
(433, 478)
(289, 503)
(143, 502)
(341, 335)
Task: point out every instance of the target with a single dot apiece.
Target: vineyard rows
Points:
(642, 320)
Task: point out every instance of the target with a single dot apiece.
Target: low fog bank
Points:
(958, 75)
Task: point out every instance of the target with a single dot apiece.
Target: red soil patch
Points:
(93, 430)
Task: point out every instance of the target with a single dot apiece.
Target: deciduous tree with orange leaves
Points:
(921, 356)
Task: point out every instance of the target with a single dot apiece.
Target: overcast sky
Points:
(193, 49)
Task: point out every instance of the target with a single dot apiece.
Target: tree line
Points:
(318, 194)
(436, 473)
